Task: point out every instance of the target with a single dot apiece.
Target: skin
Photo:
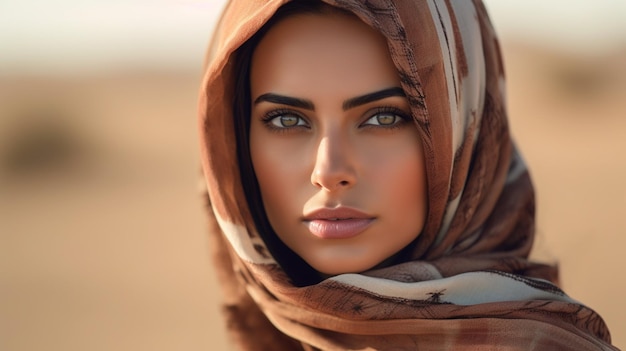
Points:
(326, 151)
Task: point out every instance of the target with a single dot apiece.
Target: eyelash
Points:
(270, 116)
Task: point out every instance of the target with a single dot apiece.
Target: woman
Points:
(365, 189)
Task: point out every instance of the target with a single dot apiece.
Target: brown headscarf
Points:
(466, 282)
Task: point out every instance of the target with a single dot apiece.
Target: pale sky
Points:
(78, 35)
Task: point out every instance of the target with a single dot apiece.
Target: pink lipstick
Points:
(337, 223)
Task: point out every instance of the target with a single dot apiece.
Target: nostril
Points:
(344, 183)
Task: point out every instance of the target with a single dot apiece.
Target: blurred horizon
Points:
(74, 36)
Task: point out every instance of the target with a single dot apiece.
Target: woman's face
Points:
(336, 154)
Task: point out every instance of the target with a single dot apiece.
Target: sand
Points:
(102, 239)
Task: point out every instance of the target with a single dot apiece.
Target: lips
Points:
(337, 223)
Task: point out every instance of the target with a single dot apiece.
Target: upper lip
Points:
(336, 213)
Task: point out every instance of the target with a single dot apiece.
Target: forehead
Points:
(321, 50)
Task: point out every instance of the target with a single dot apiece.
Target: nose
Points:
(334, 165)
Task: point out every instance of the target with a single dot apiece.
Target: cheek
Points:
(395, 164)
(279, 172)
(397, 176)
(273, 176)
(411, 193)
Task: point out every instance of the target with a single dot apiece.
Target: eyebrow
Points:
(285, 100)
(348, 104)
(371, 97)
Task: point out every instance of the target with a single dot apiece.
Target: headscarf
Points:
(466, 282)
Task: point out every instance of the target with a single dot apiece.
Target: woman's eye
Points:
(386, 119)
(286, 121)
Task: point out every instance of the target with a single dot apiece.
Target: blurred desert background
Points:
(102, 234)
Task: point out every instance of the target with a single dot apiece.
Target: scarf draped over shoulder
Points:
(468, 282)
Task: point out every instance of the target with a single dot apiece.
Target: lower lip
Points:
(339, 229)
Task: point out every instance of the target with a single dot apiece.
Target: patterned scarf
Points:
(466, 282)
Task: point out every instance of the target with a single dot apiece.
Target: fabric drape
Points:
(467, 282)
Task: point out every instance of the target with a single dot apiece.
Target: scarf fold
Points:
(467, 282)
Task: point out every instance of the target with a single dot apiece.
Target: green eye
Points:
(285, 120)
(385, 119)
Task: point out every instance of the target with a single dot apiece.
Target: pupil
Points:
(386, 119)
(289, 121)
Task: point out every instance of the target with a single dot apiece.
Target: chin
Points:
(343, 266)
